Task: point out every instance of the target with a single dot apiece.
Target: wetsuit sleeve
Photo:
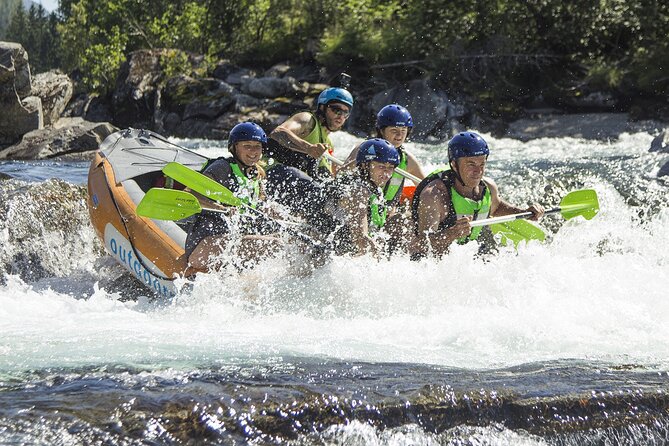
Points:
(220, 171)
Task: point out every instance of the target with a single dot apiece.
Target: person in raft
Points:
(447, 200)
(394, 124)
(295, 155)
(354, 211)
(211, 232)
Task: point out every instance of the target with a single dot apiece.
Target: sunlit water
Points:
(565, 342)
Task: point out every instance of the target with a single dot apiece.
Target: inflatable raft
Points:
(127, 165)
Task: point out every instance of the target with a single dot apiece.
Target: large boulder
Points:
(21, 112)
(68, 136)
(193, 101)
(91, 107)
(271, 87)
(430, 108)
(135, 94)
(55, 90)
(19, 118)
(660, 143)
(14, 71)
(664, 170)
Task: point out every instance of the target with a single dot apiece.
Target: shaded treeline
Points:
(503, 54)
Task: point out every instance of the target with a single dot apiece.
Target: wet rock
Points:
(271, 87)
(21, 113)
(600, 101)
(67, 136)
(278, 70)
(664, 170)
(55, 90)
(135, 94)
(660, 143)
(90, 107)
(182, 91)
(246, 104)
(286, 106)
(15, 77)
(225, 68)
(239, 76)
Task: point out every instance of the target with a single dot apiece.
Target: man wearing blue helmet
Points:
(296, 147)
(394, 124)
(355, 208)
(449, 199)
(302, 139)
(241, 173)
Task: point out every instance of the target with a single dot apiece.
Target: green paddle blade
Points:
(201, 184)
(168, 204)
(517, 231)
(580, 202)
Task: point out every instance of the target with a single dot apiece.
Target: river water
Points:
(562, 343)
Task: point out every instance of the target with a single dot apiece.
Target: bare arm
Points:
(349, 163)
(431, 212)
(292, 132)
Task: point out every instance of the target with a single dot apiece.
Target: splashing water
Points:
(584, 312)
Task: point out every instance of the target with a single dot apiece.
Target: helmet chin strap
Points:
(459, 178)
(324, 118)
(454, 166)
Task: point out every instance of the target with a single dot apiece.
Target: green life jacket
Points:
(459, 206)
(249, 189)
(466, 207)
(317, 137)
(377, 218)
(396, 182)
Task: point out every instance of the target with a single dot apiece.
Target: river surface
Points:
(561, 343)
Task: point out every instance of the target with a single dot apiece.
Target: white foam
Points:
(596, 292)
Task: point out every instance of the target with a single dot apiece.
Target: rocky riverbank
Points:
(46, 119)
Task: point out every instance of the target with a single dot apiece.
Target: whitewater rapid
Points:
(595, 292)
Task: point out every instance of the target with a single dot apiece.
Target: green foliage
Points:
(502, 52)
(100, 62)
(362, 32)
(180, 28)
(175, 62)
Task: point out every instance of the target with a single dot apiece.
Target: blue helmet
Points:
(394, 115)
(466, 144)
(247, 131)
(335, 94)
(377, 149)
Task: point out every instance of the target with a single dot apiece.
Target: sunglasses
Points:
(339, 111)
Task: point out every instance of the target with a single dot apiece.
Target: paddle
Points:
(213, 190)
(518, 231)
(580, 202)
(202, 184)
(169, 204)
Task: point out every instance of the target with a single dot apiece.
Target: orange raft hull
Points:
(146, 250)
